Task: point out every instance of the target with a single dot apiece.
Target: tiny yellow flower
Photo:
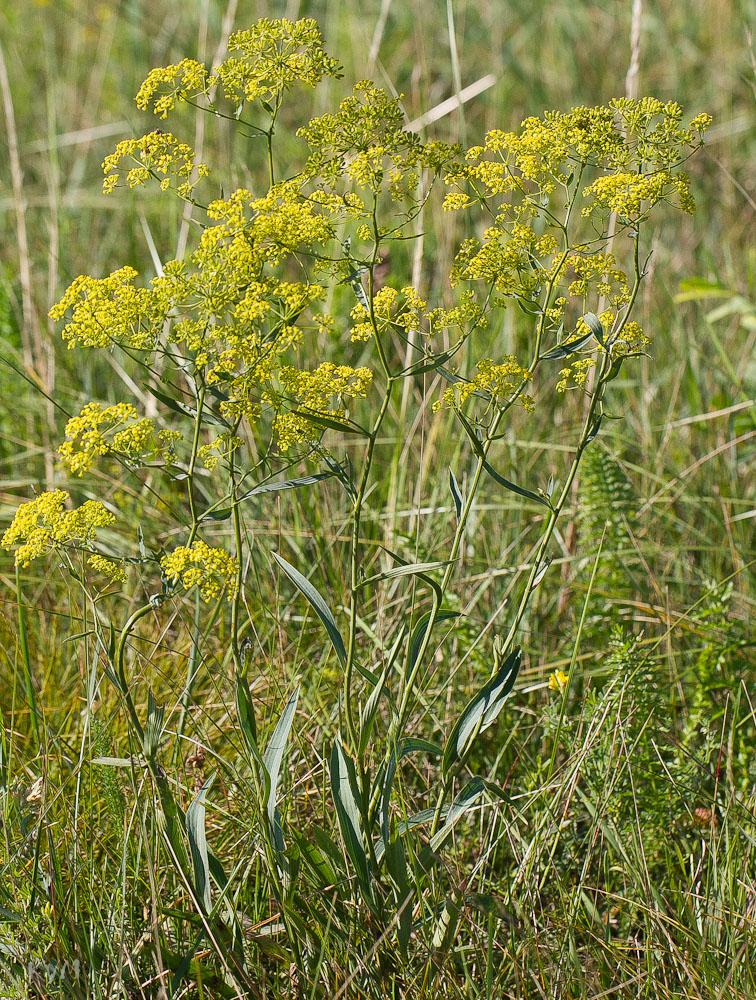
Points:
(558, 681)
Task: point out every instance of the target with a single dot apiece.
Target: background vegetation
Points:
(621, 861)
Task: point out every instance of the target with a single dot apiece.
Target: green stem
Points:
(359, 499)
(192, 464)
(120, 665)
(26, 658)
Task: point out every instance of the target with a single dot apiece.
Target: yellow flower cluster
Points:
(631, 195)
(631, 339)
(115, 571)
(455, 200)
(220, 447)
(409, 311)
(544, 152)
(235, 319)
(155, 153)
(558, 681)
(267, 60)
(44, 524)
(498, 383)
(202, 566)
(577, 371)
(366, 141)
(314, 392)
(86, 441)
(172, 84)
(509, 260)
(597, 273)
(112, 310)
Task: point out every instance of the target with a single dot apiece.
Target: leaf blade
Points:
(317, 603)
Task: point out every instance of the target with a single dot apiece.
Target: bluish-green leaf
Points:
(195, 830)
(482, 710)
(564, 350)
(346, 799)
(287, 484)
(411, 569)
(529, 494)
(595, 325)
(595, 428)
(318, 604)
(272, 760)
(460, 804)
(153, 728)
(432, 364)
(421, 627)
(411, 745)
(332, 423)
(541, 572)
(224, 513)
(455, 492)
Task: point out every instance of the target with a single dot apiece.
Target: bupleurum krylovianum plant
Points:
(222, 337)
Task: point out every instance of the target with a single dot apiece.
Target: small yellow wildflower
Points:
(558, 681)
(315, 391)
(577, 371)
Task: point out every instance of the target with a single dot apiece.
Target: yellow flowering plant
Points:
(222, 336)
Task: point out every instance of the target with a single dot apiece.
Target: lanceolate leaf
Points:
(371, 707)
(411, 745)
(594, 429)
(287, 484)
(514, 487)
(421, 627)
(153, 728)
(272, 761)
(461, 803)
(595, 325)
(345, 795)
(541, 572)
(482, 710)
(431, 364)
(319, 605)
(224, 513)
(455, 492)
(323, 420)
(187, 411)
(564, 350)
(195, 829)
(245, 712)
(412, 569)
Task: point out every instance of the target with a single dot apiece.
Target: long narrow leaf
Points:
(514, 487)
(411, 569)
(321, 420)
(345, 795)
(455, 492)
(287, 484)
(564, 350)
(272, 760)
(482, 710)
(421, 627)
(319, 605)
(195, 830)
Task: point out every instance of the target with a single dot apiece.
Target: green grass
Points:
(617, 860)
